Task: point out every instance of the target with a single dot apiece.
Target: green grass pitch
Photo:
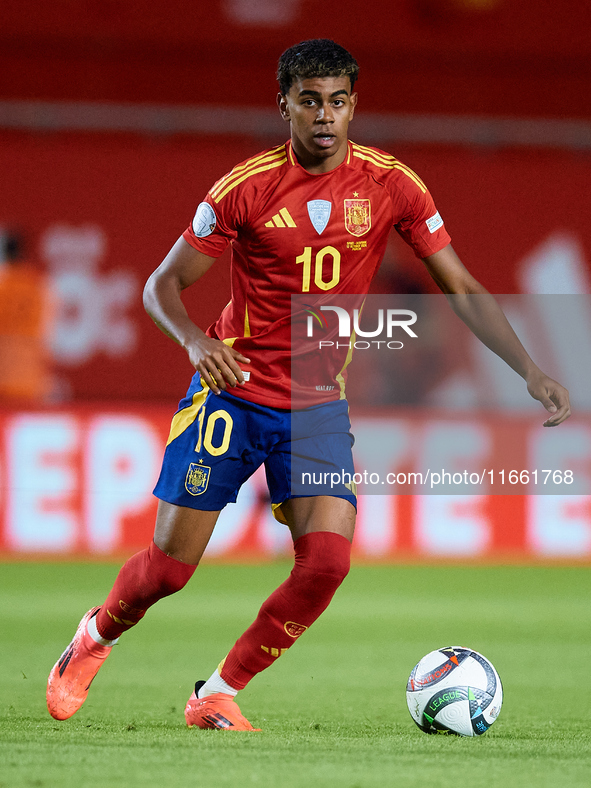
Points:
(333, 709)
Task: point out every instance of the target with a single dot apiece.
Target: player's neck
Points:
(316, 165)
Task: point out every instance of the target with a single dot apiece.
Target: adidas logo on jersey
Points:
(281, 219)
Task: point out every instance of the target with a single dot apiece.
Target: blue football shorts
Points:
(217, 442)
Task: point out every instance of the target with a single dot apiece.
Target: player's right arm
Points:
(485, 318)
(183, 266)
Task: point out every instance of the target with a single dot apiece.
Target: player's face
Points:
(319, 110)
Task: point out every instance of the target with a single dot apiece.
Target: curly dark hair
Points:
(317, 57)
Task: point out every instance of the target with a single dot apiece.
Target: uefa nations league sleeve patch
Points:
(204, 221)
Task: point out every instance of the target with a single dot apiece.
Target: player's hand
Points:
(217, 363)
(552, 395)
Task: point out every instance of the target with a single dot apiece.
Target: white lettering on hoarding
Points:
(560, 525)
(41, 483)
(452, 525)
(122, 462)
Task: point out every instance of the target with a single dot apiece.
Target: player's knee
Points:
(166, 574)
(324, 556)
(336, 566)
(171, 584)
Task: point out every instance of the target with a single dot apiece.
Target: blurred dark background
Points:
(115, 119)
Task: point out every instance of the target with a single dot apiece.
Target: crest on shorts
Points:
(197, 478)
(294, 630)
(357, 216)
(319, 213)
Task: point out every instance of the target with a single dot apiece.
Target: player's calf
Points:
(322, 561)
(145, 578)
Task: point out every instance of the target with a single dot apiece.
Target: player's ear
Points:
(353, 99)
(283, 107)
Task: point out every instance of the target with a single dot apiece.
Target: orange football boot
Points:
(215, 711)
(72, 675)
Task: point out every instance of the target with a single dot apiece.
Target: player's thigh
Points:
(214, 450)
(216, 444)
(183, 533)
(319, 513)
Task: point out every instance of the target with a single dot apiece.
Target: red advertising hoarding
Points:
(77, 482)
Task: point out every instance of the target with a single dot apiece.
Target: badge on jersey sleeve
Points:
(204, 221)
(319, 213)
(357, 216)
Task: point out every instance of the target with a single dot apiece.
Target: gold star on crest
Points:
(355, 194)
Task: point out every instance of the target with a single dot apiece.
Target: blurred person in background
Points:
(25, 314)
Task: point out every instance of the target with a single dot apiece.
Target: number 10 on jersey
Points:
(306, 260)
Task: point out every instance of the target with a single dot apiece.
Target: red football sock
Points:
(143, 580)
(322, 561)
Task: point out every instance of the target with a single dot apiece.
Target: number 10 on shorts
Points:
(208, 438)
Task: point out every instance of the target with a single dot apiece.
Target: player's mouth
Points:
(324, 139)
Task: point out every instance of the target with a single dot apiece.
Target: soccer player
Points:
(309, 216)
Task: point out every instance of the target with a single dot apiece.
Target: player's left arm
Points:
(486, 320)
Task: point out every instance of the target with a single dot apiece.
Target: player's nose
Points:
(325, 114)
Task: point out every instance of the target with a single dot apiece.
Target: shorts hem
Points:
(187, 505)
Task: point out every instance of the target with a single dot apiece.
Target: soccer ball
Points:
(454, 690)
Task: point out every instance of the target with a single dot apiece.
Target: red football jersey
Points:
(293, 232)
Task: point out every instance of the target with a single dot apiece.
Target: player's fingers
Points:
(233, 364)
(208, 379)
(547, 403)
(239, 357)
(232, 372)
(553, 397)
(557, 419)
(232, 361)
(560, 407)
(222, 374)
(561, 415)
(228, 368)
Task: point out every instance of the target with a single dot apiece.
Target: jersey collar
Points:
(295, 163)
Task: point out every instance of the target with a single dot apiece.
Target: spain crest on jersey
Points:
(357, 216)
(197, 478)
